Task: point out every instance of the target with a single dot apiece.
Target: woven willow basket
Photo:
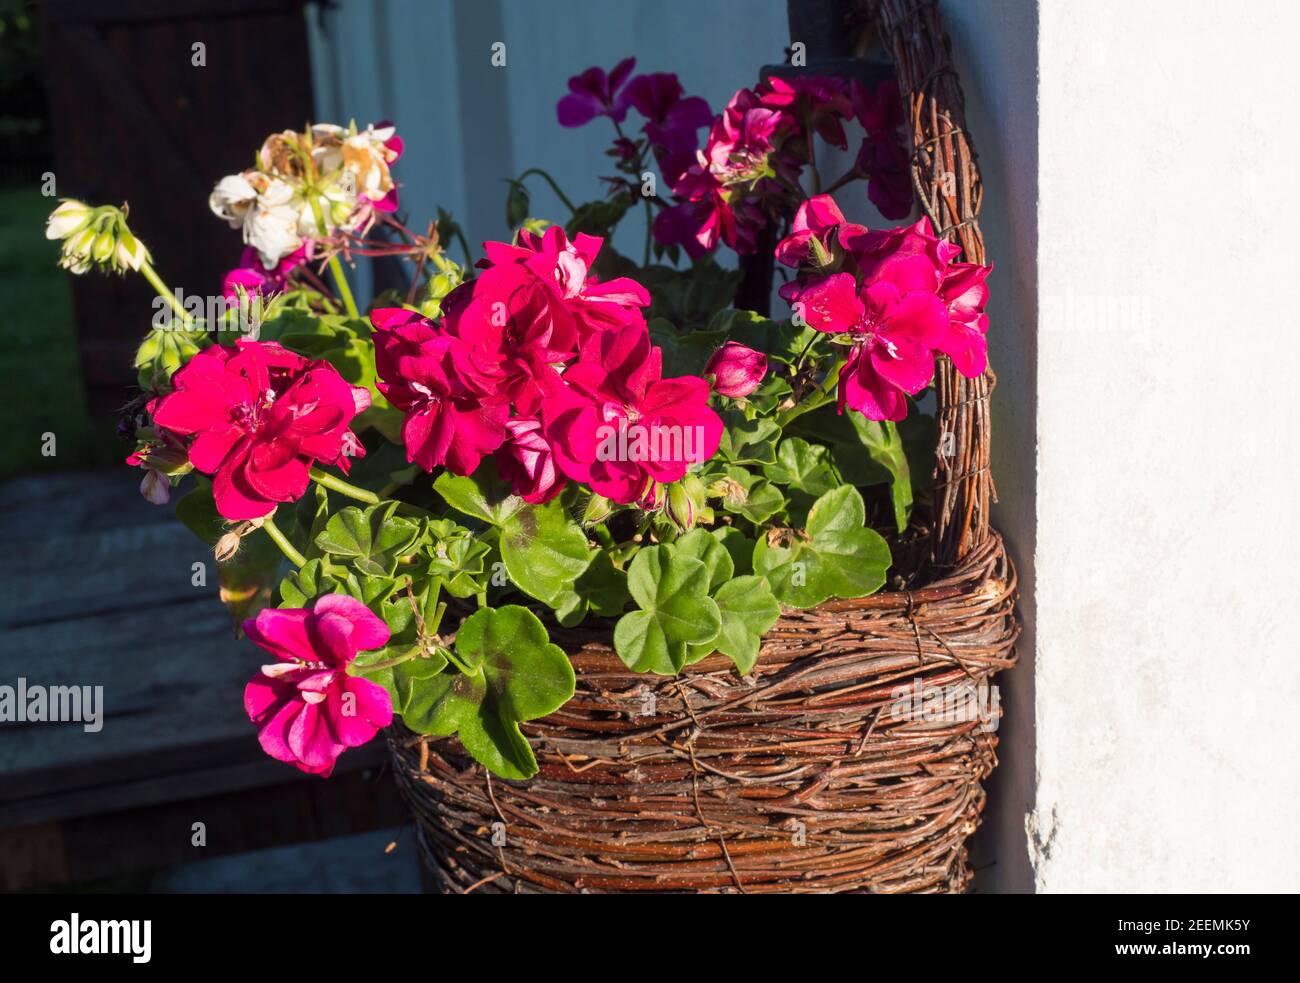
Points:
(801, 777)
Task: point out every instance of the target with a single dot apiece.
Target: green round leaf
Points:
(514, 674)
(706, 548)
(840, 557)
(672, 592)
(749, 610)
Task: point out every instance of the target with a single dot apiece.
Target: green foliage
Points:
(836, 555)
(544, 550)
(506, 671)
(371, 539)
(674, 611)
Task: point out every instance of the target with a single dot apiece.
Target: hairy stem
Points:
(282, 541)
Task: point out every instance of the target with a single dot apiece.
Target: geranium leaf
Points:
(748, 441)
(757, 499)
(482, 495)
(373, 539)
(514, 674)
(706, 548)
(837, 555)
(601, 589)
(305, 584)
(740, 546)
(804, 466)
(672, 592)
(885, 445)
(544, 550)
(748, 609)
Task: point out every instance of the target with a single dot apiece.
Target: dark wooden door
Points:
(135, 119)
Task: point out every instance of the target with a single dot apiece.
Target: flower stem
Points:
(554, 187)
(345, 292)
(812, 154)
(649, 225)
(327, 480)
(166, 293)
(282, 541)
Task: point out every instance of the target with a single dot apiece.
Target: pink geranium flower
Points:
(889, 173)
(257, 279)
(526, 461)
(261, 416)
(709, 214)
(894, 324)
(566, 266)
(965, 292)
(449, 421)
(513, 330)
(818, 100)
(818, 225)
(615, 424)
(593, 93)
(879, 110)
(307, 709)
(671, 120)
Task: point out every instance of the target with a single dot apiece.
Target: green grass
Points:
(40, 375)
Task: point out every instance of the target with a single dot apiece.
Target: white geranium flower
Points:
(271, 224)
(232, 198)
(71, 216)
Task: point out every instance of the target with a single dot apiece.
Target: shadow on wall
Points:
(995, 50)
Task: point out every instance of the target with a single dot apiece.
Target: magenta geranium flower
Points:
(566, 266)
(879, 110)
(883, 154)
(615, 424)
(526, 461)
(878, 250)
(449, 419)
(965, 292)
(307, 709)
(742, 138)
(513, 331)
(894, 323)
(261, 416)
(257, 279)
(672, 120)
(889, 173)
(811, 230)
(811, 99)
(710, 214)
(593, 93)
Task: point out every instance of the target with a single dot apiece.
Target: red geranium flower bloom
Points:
(261, 416)
(615, 424)
(448, 420)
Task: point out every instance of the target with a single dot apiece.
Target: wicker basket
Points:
(811, 774)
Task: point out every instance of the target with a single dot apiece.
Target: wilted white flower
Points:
(231, 199)
(272, 223)
(361, 157)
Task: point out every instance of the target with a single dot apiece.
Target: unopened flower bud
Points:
(103, 247)
(680, 507)
(227, 546)
(652, 496)
(155, 487)
(736, 370)
(597, 511)
(71, 216)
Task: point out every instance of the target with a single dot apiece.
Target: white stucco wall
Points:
(1166, 678)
